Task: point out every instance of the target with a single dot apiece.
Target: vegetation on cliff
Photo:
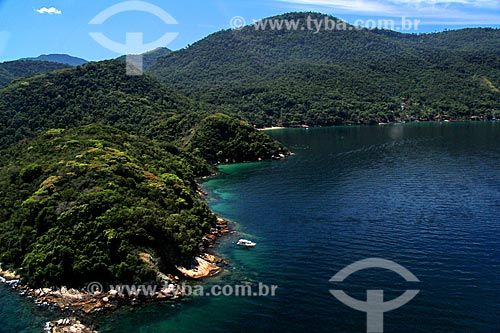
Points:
(97, 174)
(82, 205)
(221, 138)
(344, 76)
(102, 93)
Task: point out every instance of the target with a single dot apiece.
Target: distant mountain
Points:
(150, 57)
(12, 70)
(60, 58)
(348, 76)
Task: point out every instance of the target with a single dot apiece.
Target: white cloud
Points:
(50, 11)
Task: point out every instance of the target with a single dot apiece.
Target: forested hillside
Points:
(97, 168)
(82, 205)
(354, 76)
(83, 198)
(102, 93)
(12, 70)
(149, 58)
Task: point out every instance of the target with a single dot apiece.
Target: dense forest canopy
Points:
(358, 76)
(81, 205)
(98, 168)
(149, 58)
(102, 93)
(12, 70)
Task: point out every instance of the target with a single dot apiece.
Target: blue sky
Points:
(34, 27)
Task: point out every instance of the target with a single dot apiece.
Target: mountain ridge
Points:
(358, 76)
(59, 58)
(101, 92)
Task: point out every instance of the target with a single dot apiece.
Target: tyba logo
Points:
(134, 41)
(375, 307)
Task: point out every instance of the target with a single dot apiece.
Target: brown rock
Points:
(201, 270)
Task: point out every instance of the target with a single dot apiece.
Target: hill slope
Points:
(281, 77)
(82, 205)
(85, 201)
(12, 70)
(150, 57)
(103, 93)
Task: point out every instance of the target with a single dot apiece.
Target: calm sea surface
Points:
(426, 196)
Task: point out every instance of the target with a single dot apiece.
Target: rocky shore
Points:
(77, 305)
(207, 264)
(67, 325)
(201, 268)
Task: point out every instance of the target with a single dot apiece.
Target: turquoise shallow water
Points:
(424, 195)
(19, 316)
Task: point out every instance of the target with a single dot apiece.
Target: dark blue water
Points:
(426, 196)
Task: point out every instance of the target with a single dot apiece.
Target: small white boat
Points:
(246, 243)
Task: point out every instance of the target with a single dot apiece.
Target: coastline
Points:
(271, 128)
(77, 306)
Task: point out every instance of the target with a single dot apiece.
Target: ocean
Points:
(424, 196)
